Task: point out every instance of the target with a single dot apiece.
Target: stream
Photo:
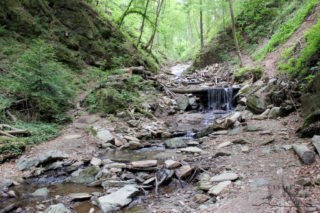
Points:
(189, 122)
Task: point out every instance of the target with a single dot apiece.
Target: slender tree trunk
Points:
(142, 25)
(201, 25)
(196, 25)
(160, 2)
(190, 28)
(234, 34)
(125, 13)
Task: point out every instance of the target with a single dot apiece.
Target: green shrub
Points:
(43, 80)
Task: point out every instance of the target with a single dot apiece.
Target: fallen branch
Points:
(7, 134)
(148, 114)
(12, 118)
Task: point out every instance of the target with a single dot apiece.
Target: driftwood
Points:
(235, 117)
(305, 154)
(9, 133)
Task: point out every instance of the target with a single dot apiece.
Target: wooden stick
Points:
(7, 134)
(12, 118)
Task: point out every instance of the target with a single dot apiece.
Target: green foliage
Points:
(43, 79)
(286, 29)
(307, 62)
(3, 31)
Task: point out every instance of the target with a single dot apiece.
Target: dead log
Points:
(305, 154)
(12, 118)
(19, 132)
(235, 117)
(7, 134)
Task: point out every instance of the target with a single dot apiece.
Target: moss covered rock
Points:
(311, 126)
(310, 100)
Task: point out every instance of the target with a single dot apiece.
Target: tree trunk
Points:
(234, 34)
(125, 13)
(190, 28)
(160, 2)
(307, 156)
(201, 24)
(142, 25)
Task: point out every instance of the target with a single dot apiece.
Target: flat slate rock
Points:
(145, 164)
(224, 144)
(191, 150)
(252, 128)
(235, 132)
(241, 141)
(224, 177)
(217, 189)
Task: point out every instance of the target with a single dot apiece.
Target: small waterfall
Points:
(220, 99)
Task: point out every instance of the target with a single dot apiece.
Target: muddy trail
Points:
(205, 152)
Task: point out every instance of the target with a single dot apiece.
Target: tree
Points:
(201, 25)
(234, 34)
(125, 13)
(142, 25)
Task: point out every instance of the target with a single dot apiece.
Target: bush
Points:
(43, 80)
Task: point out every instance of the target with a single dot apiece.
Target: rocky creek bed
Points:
(188, 159)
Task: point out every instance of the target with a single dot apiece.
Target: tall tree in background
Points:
(234, 34)
(142, 25)
(201, 24)
(125, 13)
(160, 2)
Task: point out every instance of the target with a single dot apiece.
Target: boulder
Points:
(274, 113)
(204, 132)
(83, 175)
(26, 164)
(104, 135)
(310, 100)
(116, 200)
(224, 177)
(175, 143)
(182, 102)
(310, 126)
(59, 208)
(217, 189)
(258, 102)
(135, 145)
(41, 192)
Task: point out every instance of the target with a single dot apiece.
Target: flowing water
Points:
(219, 103)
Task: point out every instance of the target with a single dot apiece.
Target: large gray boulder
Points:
(53, 155)
(183, 102)
(258, 102)
(116, 200)
(175, 143)
(83, 175)
(310, 99)
(59, 208)
(104, 135)
(274, 113)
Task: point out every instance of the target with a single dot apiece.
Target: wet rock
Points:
(79, 196)
(83, 175)
(117, 183)
(118, 199)
(144, 164)
(88, 119)
(183, 171)
(171, 164)
(191, 150)
(175, 143)
(74, 167)
(104, 135)
(274, 113)
(205, 183)
(166, 135)
(260, 182)
(217, 189)
(182, 102)
(41, 192)
(224, 177)
(204, 132)
(103, 174)
(135, 145)
(285, 147)
(241, 141)
(304, 182)
(135, 123)
(95, 161)
(201, 198)
(252, 128)
(224, 144)
(53, 166)
(235, 132)
(59, 208)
